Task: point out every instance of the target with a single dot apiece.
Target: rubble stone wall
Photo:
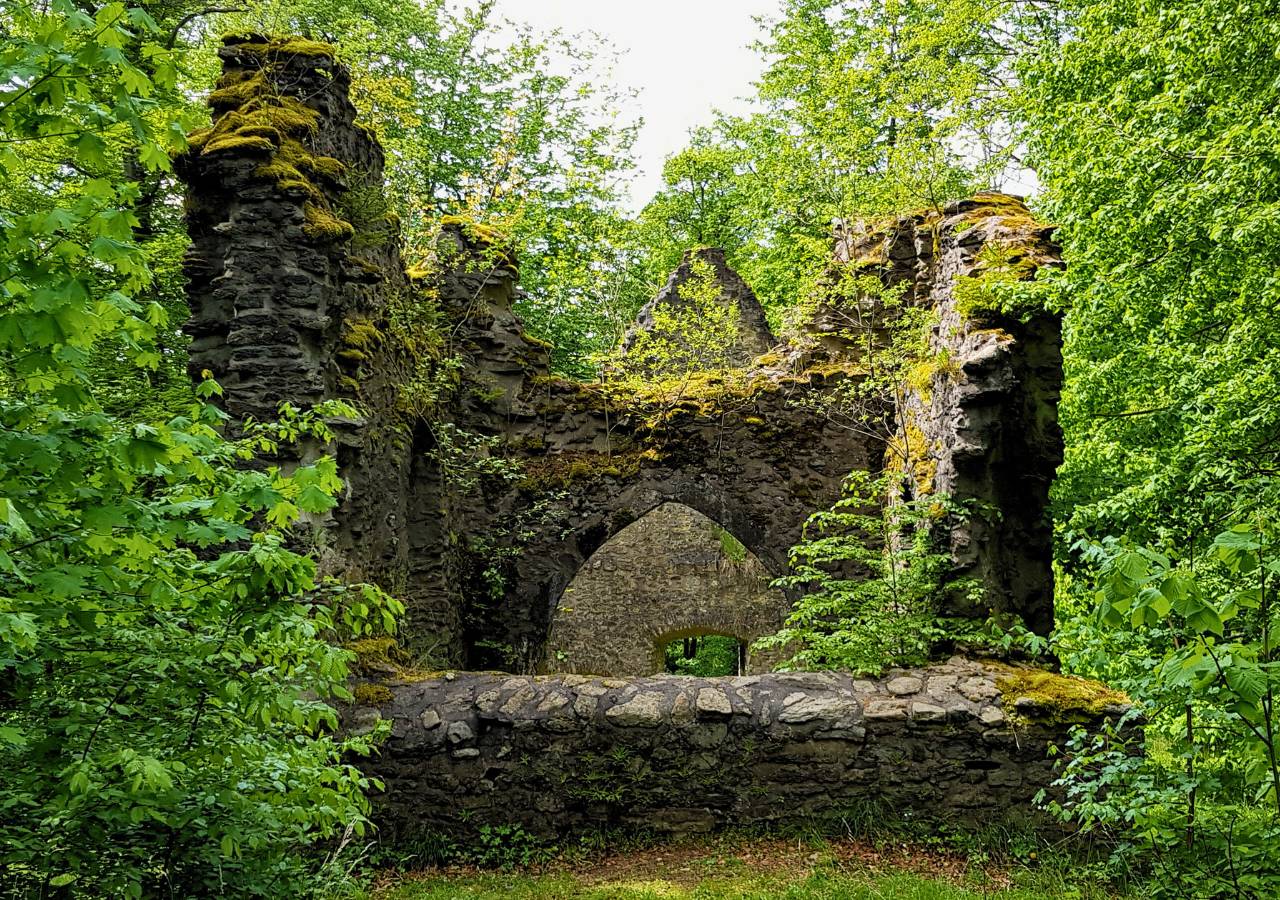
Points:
(298, 293)
(670, 753)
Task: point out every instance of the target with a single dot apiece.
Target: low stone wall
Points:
(563, 752)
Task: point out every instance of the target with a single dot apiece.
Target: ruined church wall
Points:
(292, 289)
(287, 303)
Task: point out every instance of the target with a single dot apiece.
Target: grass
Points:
(815, 886)
(768, 869)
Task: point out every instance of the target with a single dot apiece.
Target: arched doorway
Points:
(670, 575)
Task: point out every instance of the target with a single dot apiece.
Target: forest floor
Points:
(739, 868)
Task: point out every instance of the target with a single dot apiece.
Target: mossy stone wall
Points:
(560, 753)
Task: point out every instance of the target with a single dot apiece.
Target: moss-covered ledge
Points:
(557, 753)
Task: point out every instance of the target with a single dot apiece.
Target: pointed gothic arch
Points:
(674, 572)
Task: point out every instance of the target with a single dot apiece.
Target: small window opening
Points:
(706, 655)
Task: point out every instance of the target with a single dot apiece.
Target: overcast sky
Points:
(686, 57)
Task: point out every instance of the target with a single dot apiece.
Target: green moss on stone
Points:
(563, 469)
(366, 694)
(252, 116)
(235, 143)
(1050, 697)
(323, 225)
(374, 651)
(277, 47)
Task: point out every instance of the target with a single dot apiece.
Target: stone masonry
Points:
(298, 294)
(661, 578)
(561, 753)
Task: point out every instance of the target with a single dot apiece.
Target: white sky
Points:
(686, 57)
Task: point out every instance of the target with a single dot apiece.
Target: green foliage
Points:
(706, 655)
(865, 109)
(1001, 287)
(506, 847)
(1158, 167)
(871, 581)
(1209, 792)
(694, 336)
(164, 662)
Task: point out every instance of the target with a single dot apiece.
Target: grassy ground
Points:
(764, 869)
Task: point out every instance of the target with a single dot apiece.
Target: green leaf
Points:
(282, 514)
(1206, 620)
(314, 499)
(1246, 679)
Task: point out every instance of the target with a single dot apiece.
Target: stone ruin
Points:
(517, 512)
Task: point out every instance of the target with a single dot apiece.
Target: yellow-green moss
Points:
(361, 333)
(1009, 208)
(1055, 698)
(768, 360)
(270, 132)
(286, 114)
(235, 89)
(755, 421)
(914, 459)
(285, 46)
(374, 651)
(833, 370)
(920, 375)
(366, 694)
(255, 118)
(485, 237)
(322, 225)
(481, 234)
(562, 469)
(302, 187)
(699, 392)
(239, 143)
